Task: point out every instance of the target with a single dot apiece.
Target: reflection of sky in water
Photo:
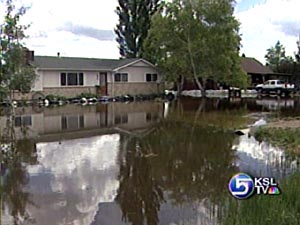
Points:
(193, 213)
(262, 159)
(76, 182)
(72, 178)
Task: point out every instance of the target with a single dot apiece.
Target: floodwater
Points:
(154, 163)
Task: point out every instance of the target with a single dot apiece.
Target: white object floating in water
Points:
(83, 101)
(46, 102)
(259, 122)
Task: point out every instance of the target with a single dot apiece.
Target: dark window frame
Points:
(121, 77)
(23, 121)
(121, 119)
(72, 122)
(63, 79)
(151, 77)
(66, 80)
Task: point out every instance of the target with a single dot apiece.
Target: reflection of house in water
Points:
(76, 150)
(275, 104)
(71, 119)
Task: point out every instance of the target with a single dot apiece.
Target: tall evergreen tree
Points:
(134, 23)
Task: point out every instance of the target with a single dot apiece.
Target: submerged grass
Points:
(285, 138)
(283, 209)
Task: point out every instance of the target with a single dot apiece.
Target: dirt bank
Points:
(285, 123)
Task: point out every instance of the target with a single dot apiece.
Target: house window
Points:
(71, 79)
(63, 79)
(23, 121)
(72, 122)
(121, 77)
(121, 119)
(151, 77)
(151, 117)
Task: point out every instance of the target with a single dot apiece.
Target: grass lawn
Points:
(283, 209)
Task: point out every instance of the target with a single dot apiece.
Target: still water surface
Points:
(137, 163)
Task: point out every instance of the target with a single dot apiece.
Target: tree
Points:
(134, 23)
(275, 56)
(196, 39)
(297, 55)
(16, 73)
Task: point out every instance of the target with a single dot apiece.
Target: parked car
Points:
(275, 86)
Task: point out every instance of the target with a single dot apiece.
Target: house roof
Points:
(251, 65)
(73, 63)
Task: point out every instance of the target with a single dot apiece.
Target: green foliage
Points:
(56, 98)
(268, 210)
(134, 23)
(297, 55)
(279, 62)
(86, 95)
(286, 138)
(275, 56)
(177, 161)
(15, 72)
(196, 39)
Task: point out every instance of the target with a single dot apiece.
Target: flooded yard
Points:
(154, 163)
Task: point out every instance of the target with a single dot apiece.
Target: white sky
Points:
(85, 28)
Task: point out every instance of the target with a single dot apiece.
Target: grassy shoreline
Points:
(283, 209)
(287, 138)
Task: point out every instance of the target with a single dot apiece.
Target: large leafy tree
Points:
(196, 39)
(16, 73)
(279, 62)
(134, 23)
(276, 56)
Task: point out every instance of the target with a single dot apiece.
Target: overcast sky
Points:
(85, 28)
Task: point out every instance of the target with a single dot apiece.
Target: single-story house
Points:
(71, 76)
(258, 73)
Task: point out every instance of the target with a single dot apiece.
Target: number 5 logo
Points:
(241, 186)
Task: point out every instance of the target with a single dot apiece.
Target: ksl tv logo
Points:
(243, 186)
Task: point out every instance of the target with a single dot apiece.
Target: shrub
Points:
(86, 95)
(56, 98)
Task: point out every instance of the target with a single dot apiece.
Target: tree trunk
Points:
(180, 85)
(201, 88)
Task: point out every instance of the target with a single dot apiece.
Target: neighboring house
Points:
(259, 73)
(70, 76)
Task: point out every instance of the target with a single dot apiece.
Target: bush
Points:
(86, 95)
(52, 98)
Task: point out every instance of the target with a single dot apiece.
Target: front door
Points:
(103, 83)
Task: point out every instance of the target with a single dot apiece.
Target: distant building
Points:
(259, 73)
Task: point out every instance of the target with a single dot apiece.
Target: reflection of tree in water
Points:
(15, 155)
(193, 163)
(189, 163)
(139, 195)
